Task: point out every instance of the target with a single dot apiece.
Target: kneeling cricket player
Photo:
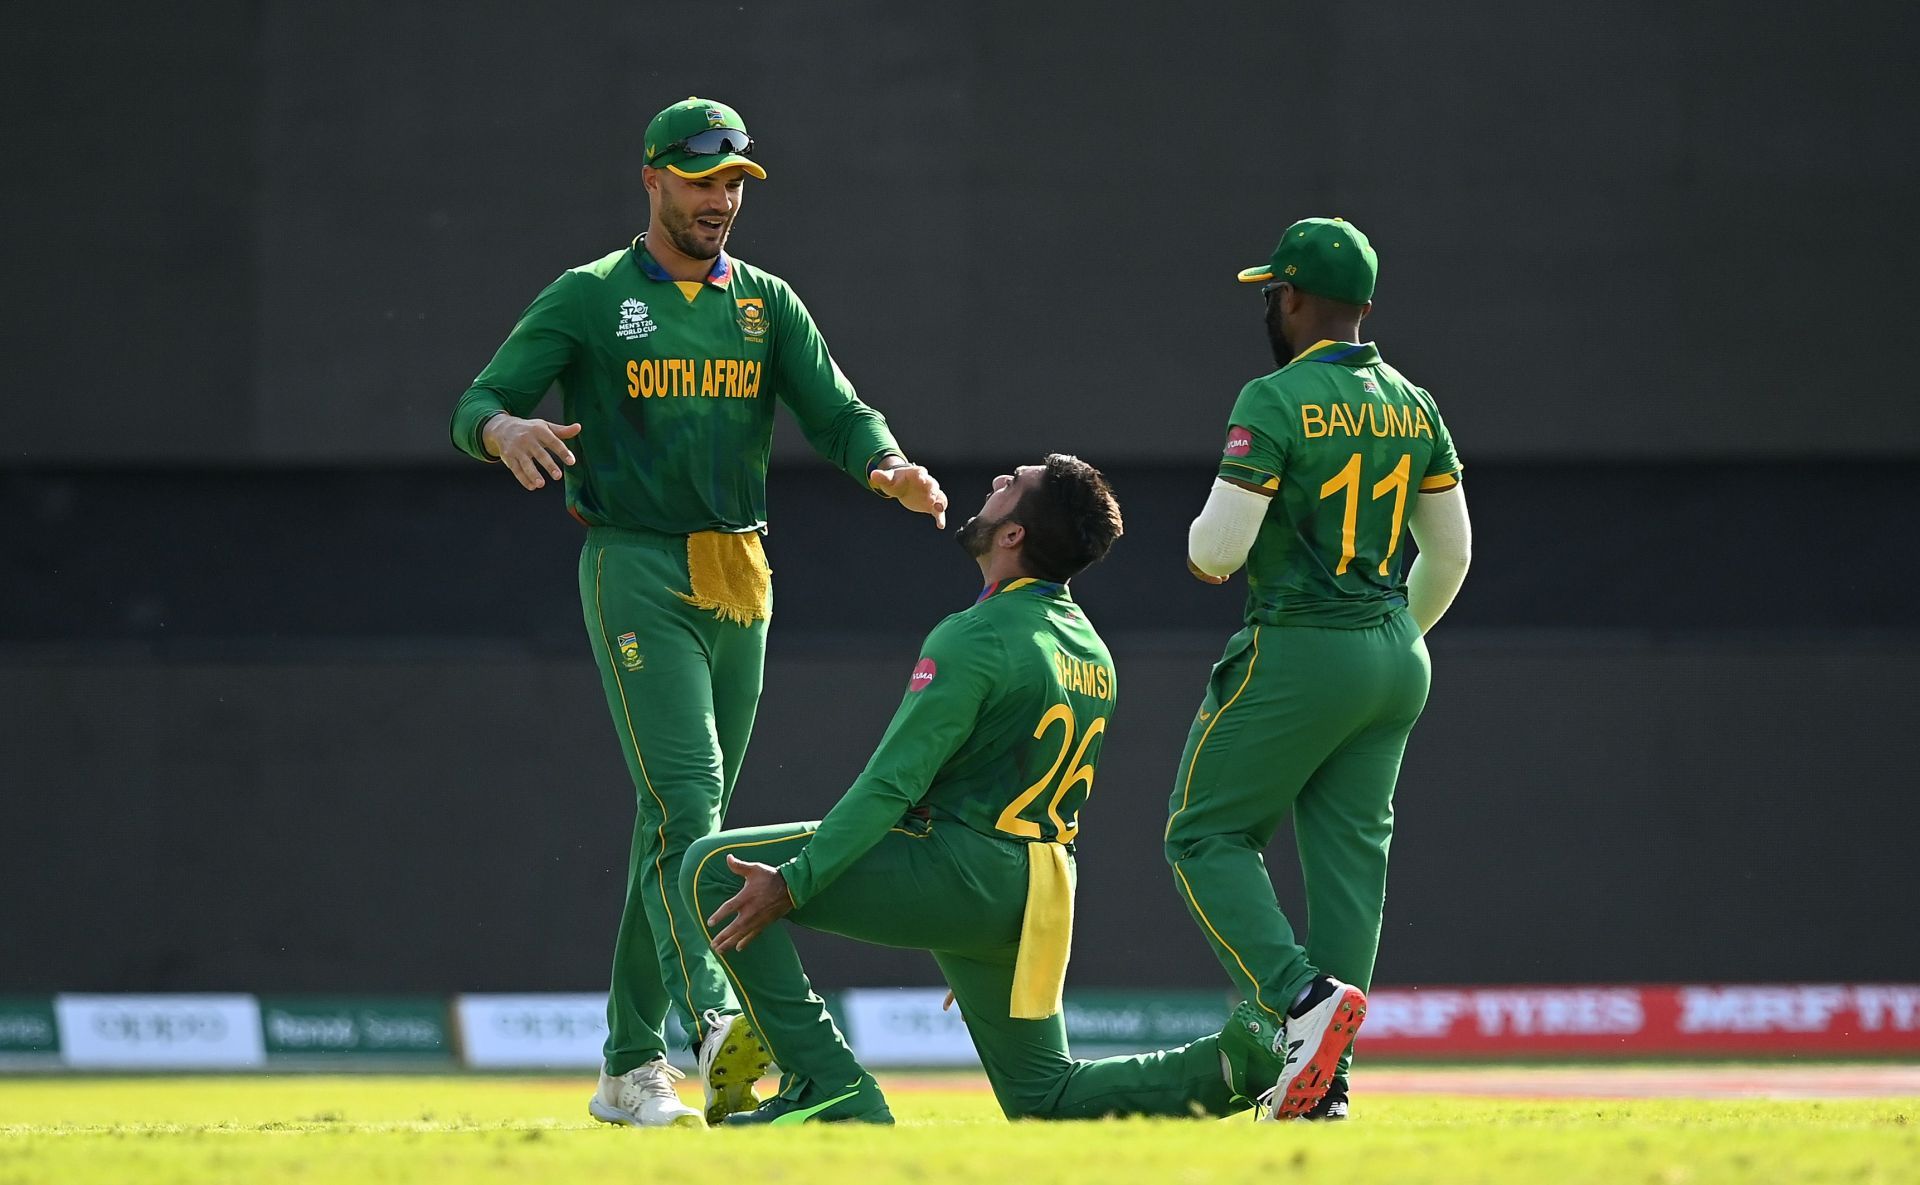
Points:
(957, 839)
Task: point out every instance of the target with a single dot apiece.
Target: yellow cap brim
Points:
(1256, 275)
(726, 162)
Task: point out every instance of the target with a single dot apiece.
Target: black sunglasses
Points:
(712, 142)
(1267, 290)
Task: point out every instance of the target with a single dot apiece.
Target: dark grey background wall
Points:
(292, 697)
(334, 730)
(293, 231)
(1572, 810)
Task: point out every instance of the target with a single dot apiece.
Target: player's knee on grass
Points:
(1031, 1097)
(1026, 1104)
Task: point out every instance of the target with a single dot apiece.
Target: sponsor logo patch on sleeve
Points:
(1239, 442)
(923, 674)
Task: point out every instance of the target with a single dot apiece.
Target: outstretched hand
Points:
(761, 901)
(914, 488)
(526, 447)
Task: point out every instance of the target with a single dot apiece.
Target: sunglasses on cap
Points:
(712, 142)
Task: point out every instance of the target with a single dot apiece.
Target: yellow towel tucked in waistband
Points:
(1046, 934)
(730, 576)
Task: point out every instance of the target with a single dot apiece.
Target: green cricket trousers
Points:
(1314, 722)
(945, 888)
(683, 687)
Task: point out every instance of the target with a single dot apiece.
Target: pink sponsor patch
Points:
(922, 675)
(1239, 442)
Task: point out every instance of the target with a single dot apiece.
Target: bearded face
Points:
(1277, 338)
(975, 536)
(696, 214)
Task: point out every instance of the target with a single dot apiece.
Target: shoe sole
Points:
(614, 1115)
(1339, 1116)
(1323, 1119)
(742, 1061)
(1311, 1083)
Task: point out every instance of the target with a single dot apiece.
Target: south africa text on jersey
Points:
(1367, 419)
(713, 378)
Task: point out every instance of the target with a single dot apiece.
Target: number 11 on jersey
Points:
(1348, 480)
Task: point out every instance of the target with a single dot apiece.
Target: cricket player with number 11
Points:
(1329, 462)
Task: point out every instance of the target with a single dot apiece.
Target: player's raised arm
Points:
(913, 486)
(835, 422)
(489, 422)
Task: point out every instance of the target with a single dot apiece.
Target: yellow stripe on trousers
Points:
(659, 872)
(701, 910)
(1208, 923)
(1187, 791)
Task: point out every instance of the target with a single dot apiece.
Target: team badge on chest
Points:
(751, 313)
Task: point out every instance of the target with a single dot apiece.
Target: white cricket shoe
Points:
(1311, 1044)
(643, 1097)
(732, 1059)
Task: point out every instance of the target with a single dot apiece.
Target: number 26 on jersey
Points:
(1078, 774)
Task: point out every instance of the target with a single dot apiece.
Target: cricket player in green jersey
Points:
(958, 839)
(1328, 462)
(670, 355)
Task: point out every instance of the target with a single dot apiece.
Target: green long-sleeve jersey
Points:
(999, 730)
(1346, 443)
(673, 384)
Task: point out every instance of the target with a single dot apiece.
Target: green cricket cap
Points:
(692, 139)
(1325, 256)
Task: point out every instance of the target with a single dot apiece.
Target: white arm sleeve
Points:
(1445, 536)
(1219, 540)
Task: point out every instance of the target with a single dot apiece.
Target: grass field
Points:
(316, 1130)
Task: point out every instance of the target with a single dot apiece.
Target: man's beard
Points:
(975, 536)
(679, 227)
(1277, 337)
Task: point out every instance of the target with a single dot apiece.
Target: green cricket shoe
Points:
(859, 1101)
(1247, 1059)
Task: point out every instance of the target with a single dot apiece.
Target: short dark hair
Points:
(1071, 518)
